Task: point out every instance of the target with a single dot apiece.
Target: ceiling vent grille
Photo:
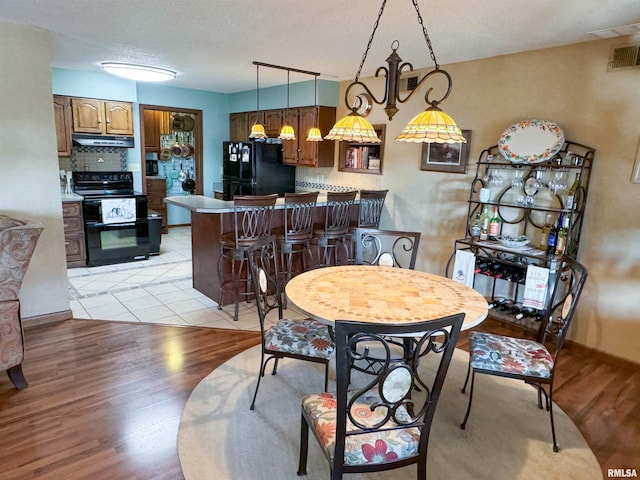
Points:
(624, 57)
(408, 83)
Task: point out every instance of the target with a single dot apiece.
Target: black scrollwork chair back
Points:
(305, 339)
(388, 248)
(534, 362)
(382, 421)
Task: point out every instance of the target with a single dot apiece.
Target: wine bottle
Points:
(571, 194)
(495, 302)
(544, 232)
(484, 223)
(476, 227)
(553, 237)
(526, 312)
(494, 224)
(563, 233)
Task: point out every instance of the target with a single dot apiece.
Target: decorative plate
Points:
(531, 141)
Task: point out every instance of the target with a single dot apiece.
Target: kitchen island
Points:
(210, 218)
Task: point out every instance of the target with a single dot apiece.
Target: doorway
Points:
(171, 142)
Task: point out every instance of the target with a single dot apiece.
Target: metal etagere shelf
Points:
(538, 189)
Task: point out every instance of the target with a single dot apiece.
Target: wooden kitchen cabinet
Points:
(152, 122)
(62, 111)
(273, 122)
(103, 117)
(298, 151)
(74, 243)
(240, 125)
(310, 154)
(156, 192)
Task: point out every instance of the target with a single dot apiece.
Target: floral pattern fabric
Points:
(300, 337)
(510, 355)
(378, 446)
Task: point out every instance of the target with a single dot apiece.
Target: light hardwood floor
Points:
(105, 399)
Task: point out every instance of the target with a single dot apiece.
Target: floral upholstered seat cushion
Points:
(510, 355)
(301, 337)
(379, 446)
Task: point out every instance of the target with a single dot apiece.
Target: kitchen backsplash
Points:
(95, 159)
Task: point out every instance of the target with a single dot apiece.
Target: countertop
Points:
(70, 197)
(202, 204)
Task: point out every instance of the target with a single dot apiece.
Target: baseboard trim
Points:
(47, 318)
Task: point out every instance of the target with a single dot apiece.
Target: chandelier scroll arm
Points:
(355, 106)
(433, 103)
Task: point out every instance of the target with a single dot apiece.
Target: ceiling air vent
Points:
(408, 83)
(625, 57)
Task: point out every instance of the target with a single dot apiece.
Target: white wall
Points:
(29, 183)
(571, 86)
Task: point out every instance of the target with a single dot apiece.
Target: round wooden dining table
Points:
(383, 295)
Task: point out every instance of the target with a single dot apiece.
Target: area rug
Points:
(507, 436)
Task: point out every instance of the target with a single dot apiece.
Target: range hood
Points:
(102, 141)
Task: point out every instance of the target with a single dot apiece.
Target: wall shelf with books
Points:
(362, 157)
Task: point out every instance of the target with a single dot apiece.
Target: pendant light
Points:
(257, 130)
(287, 132)
(430, 126)
(314, 134)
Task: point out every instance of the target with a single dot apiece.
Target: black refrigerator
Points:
(255, 168)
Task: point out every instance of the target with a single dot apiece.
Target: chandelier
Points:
(430, 126)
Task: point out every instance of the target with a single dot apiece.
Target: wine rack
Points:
(523, 194)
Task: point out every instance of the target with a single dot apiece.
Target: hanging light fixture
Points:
(314, 134)
(257, 130)
(138, 72)
(430, 126)
(287, 132)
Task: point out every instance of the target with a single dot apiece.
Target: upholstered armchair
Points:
(18, 239)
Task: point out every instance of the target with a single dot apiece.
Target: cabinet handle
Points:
(67, 243)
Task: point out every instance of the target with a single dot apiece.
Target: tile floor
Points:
(158, 290)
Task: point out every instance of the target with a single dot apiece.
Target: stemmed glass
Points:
(518, 181)
(559, 182)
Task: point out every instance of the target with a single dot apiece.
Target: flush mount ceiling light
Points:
(430, 126)
(139, 72)
(257, 130)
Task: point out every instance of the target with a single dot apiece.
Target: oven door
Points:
(116, 229)
(116, 242)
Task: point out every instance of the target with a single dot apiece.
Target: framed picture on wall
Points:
(446, 157)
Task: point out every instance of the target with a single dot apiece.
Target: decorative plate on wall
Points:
(531, 141)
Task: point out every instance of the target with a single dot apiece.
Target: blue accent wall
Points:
(300, 95)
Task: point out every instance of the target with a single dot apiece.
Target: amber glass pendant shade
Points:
(432, 126)
(353, 128)
(287, 133)
(257, 131)
(314, 135)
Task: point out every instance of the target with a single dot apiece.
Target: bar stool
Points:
(369, 213)
(371, 203)
(295, 238)
(252, 222)
(335, 230)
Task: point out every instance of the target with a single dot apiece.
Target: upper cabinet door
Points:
(62, 110)
(273, 122)
(88, 115)
(119, 118)
(307, 151)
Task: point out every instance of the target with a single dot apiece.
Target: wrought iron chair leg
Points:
(263, 364)
(466, 380)
(17, 377)
(275, 366)
(220, 261)
(326, 376)
(422, 467)
(463, 425)
(304, 446)
(553, 427)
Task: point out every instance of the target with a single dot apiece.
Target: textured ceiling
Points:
(211, 43)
